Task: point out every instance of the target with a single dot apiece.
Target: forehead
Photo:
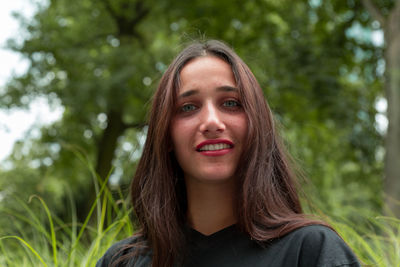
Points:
(209, 62)
(206, 71)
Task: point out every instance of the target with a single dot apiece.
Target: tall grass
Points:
(377, 243)
(53, 242)
(49, 241)
(57, 243)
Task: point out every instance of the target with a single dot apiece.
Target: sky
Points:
(15, 123)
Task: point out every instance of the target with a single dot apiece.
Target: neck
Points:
(210, 206)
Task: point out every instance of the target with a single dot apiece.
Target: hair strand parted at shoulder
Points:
(267, 205)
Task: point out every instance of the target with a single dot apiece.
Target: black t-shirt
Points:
(308, 246)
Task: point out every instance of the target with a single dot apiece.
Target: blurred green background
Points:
(323, 70)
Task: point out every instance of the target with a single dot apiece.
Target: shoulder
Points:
(315, 233)
(120, 249)
(317, 245)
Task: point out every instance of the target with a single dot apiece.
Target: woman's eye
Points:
(231, 103)
(188, 107)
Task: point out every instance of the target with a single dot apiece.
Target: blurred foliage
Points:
(101, 60)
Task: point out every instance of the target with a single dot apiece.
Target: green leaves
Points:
(101, 60)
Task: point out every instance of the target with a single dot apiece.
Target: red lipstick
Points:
(214, 153)
(214, 141)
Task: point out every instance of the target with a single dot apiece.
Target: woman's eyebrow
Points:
(224, 88)
(227, 88)
(188, 93)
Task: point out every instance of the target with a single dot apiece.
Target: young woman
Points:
(213, 186)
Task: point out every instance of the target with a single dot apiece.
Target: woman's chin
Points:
(214, 177)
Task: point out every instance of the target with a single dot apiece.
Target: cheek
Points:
(180, 132)
(240, 126)
(174, 131)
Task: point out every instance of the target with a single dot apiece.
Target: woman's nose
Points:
(211, 119)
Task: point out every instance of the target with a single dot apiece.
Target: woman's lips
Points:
(216, 153)
(214, 147)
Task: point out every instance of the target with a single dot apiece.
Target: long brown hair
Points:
(267, 205)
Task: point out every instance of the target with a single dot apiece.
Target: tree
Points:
(387, 13)
(101, 60)
(94, 58)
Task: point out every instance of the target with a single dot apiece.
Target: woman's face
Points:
(209, 126)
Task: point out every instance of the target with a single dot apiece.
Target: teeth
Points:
(214, 147)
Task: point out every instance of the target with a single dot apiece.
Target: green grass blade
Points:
(27, 245)
(53, 233)
(103, 187)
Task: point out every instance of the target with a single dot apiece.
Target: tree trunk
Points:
(126, 25)
(108, 143)
(391, 28)
(105, 154)
(392, 90)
